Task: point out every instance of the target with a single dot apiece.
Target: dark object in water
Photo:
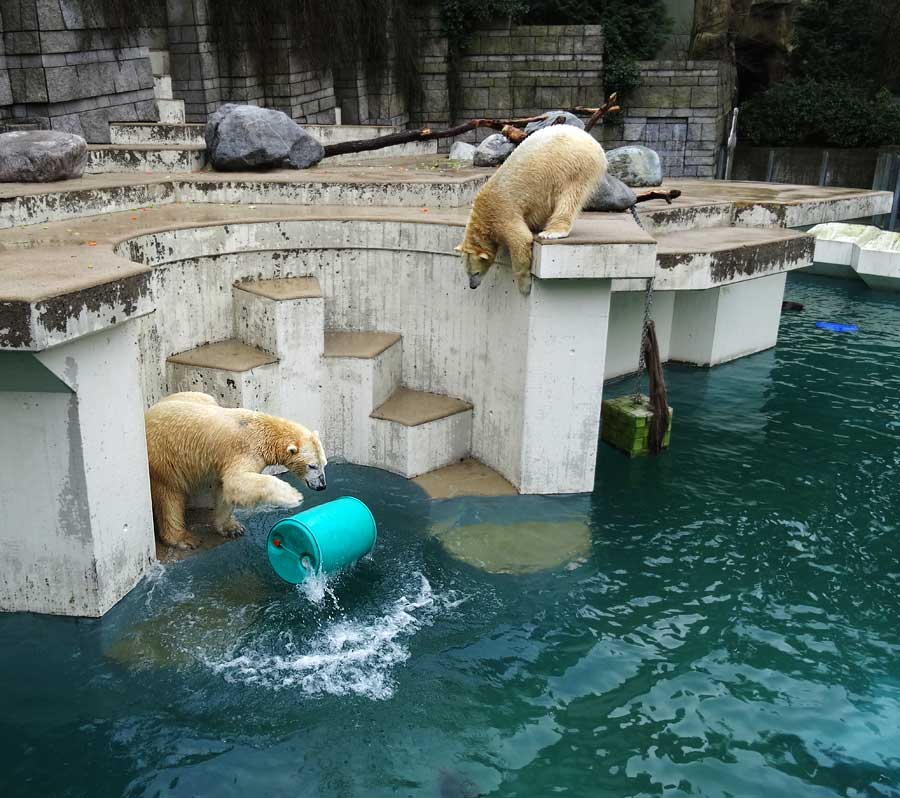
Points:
(835, 327)
(657, 389)
(788, 305)
(455, 785)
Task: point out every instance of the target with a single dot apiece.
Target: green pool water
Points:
(721, 621)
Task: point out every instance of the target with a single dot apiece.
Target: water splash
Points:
(346, 657)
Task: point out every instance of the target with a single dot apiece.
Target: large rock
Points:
(552, 116)
(40, 156)
(244, 137)
(611, 194)
(493, 151)
(635, 166)
(462, 151)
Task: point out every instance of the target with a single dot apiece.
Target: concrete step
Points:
(171, 112)
(162, 87)
(362, 370)
(154, 133)
(286, 316)
(238, 375)
(159, 62)
(145, 158)
(414, 432)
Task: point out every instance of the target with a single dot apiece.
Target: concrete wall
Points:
(863, 167)
(63, 69)
(681, 110)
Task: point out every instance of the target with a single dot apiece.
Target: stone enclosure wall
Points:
(57, 65)
(681, 110)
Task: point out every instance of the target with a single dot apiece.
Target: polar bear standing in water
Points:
(539, 189)
(193, 443)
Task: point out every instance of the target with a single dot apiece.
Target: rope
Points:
(648, 306)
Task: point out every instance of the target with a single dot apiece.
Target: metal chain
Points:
(648, 305)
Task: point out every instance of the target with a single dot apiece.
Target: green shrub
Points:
(812, 113)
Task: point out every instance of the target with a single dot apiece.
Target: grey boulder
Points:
(611, 194)
(493, 151)
(635, 166)
(41, 156)
(245, 137)
(552, 117)
(462, 151)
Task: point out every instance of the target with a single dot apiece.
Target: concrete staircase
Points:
(176, 146)
(171, 111)
(348, 384)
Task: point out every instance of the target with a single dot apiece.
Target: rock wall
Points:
(205, 78)
(681, 110)
(61, 68)
(510, 71)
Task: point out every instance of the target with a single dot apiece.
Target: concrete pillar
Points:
(563, 385)
(626, 320)
(720, 324)
(76, 529)
(287, 318)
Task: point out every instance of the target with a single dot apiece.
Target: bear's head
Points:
(477, 259)
(297, 449)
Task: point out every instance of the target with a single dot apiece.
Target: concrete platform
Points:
(283, 288)
(364, 345)
(228, 355)
(468, 478)
(412, 408)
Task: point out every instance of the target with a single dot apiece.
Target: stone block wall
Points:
(681, 110)
(205, 78)
(512, 71)
(61, 68)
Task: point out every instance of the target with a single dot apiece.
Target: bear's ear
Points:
(292, 449)
(484, 256)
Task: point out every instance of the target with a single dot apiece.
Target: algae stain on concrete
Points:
(517, 548)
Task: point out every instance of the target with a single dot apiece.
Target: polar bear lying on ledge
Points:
(193, 443)
(539, 189)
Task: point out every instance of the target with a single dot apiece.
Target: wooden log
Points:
(668, 196)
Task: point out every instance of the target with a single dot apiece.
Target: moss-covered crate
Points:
(626, 424)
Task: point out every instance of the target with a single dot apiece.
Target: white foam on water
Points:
(346, 657)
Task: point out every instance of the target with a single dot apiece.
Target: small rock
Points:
(462, 151)
(41, 156)
(635, 166)
(611, 194)
(247, 137)
(493, 151)
(552, 116)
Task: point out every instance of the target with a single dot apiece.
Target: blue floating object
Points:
(835, 327)
(325, 539)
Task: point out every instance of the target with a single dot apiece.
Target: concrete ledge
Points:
(412, 408)
(282, 288)
(723, 255)
(48, 298)
(362, 345)
(230, 355)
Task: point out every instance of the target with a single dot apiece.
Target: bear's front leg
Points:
(246, 489)
(519, 242)
(224, 521)
(559, 225)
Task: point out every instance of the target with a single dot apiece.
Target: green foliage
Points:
(807, 112)
(848, 40)
(461, 17)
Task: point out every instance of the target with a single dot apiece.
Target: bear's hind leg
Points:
(559, 225)
(168, 510)
(223, 516)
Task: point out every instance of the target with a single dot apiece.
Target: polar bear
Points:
(539, 189)
(193, 443)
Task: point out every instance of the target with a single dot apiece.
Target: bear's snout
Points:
(316, 480)
(474, 280)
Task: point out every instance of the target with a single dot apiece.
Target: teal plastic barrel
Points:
(325, 539)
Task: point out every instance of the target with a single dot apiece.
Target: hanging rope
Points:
(648, 358)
